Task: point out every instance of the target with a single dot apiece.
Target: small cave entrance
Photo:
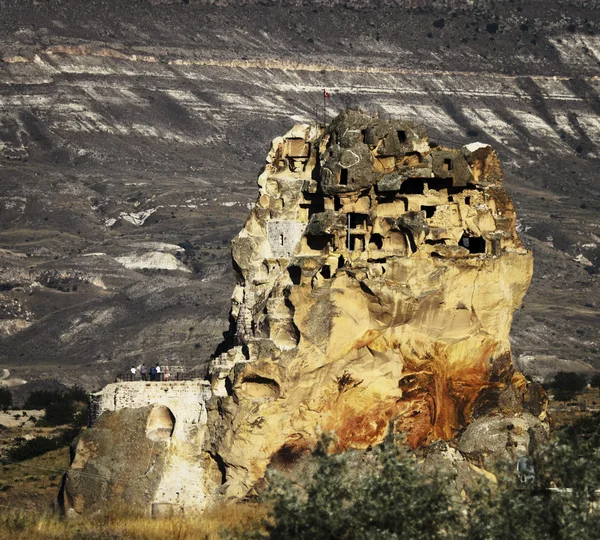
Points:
(439, 183)
(288, 455)
(318, 242)
(358, 221)
(401, 136)
(343, 177)
(160, 424)
(357, 242)
(429, 211)
(475, 244)
(257, 387)
(326, 271)
(376, 241)
(413, 186)
(313, 204)
(295, 273)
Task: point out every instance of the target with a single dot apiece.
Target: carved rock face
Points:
(377, 278)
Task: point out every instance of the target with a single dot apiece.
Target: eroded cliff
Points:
(377, 280)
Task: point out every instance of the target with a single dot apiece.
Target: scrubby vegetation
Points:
(567, 385)
(67, 409)
(385, 494)
(6, 398)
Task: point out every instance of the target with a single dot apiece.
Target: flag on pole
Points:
(326, 94)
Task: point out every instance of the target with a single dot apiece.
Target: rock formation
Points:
(377, 278)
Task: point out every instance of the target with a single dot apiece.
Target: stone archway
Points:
(160, 425)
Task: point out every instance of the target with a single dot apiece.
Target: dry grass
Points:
(565, 413)
(33, 484)
(124, 524)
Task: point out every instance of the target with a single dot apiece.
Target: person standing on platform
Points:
(143, 372)
(158, 374)
(132, 371)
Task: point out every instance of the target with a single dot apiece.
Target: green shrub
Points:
(6, 398)
(40, 398)
(384, 494)
(27, 449)
(567, 385)
(389, 497)
(59, 413)
(32, 448)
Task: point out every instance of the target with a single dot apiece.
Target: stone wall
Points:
(185, 399)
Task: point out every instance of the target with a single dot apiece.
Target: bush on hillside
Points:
(379, 495)
(567, 385)
(27, 449)
(40, 398)
(6, 399)
(385, 494)
(59, 413)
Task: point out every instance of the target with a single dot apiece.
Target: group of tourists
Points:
(156, 373)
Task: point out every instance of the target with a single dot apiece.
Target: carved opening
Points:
(357, 242)
(439, 183)
(358, 221)
(453, 190)
(161, 424)
(318, 242)
(337, 204)
(341, 261)
(326, 271)
(314, 204)
(429, 211)
(401, 135)
(447, 165)
(475, 244)
(468, 201)
(257, 387)
(343, 177)
(376, 241)
(295, 273)
(363, 135)
(396, 241)
(413, 186)
(413, 158)
(435, 242)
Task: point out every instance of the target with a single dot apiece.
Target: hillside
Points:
(131, 135)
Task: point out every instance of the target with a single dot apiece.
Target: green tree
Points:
(6, 398)
(355, 496)
(385, 494)
(567, 385)
(59, 412)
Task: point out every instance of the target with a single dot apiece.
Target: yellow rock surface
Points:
(387, 309)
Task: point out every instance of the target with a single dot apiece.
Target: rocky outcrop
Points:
(377, 277)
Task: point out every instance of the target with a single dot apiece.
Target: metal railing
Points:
(178, 375)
